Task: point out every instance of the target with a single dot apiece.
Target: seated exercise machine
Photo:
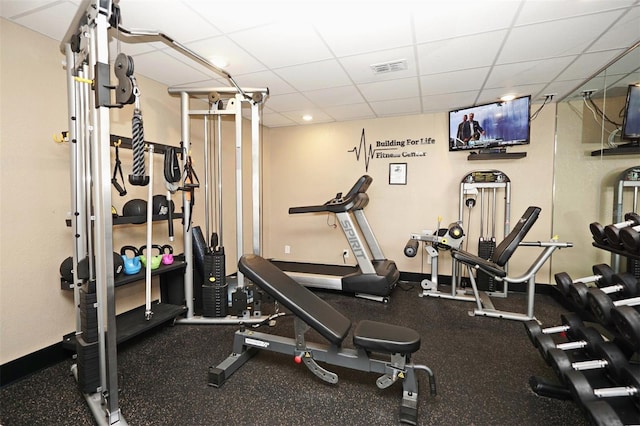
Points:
(442, 239)
(374, 277)
(494, 267)
(310, 311)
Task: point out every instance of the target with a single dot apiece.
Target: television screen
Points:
(495, 125)
(631, 122)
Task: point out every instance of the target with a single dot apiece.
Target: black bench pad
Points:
(385, 338)
(473, 260)
(311, 309)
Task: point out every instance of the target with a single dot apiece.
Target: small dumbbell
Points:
(622, 285)
(610, 357)
(602, 276)
(610, 234)
(570, 321)
(598, 230)
(586, 337)
(583, 392)
(601, 305)
(627, 321)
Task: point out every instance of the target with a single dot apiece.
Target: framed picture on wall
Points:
(397, 173)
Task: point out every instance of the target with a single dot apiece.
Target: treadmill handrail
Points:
(358, 202)
(340, 203)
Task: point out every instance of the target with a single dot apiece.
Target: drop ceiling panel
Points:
(470, 52)
(587, 61)
(532, 12)
(510, 75)
(348, 35)
(397, 107)
(627, 26)
(45, 16)
(344, 95)
(454, 81)
(350, 112)
(451, 19)
(285, 45)
(316, 75)
(392, 89)
(240, 62)
(164, 68)
(168, 18)
(554, 39)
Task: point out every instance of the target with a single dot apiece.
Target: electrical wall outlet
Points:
(345, 254)
(287, 249)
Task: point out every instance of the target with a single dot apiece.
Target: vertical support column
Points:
(188, 247)
(256, 171)
(103, 234)
(239, 188)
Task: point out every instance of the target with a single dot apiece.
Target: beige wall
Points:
(301, 165)
(308, 165)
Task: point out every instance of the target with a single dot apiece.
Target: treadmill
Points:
(374, 277)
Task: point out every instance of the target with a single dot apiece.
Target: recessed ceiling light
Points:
(508, 98)
(307, 117)
(220, 62)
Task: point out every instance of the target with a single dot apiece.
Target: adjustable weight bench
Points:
(310, 311)
(495, 266)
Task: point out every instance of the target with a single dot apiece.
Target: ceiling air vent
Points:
(391, 66)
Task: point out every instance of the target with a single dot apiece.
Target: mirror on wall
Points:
(590, 164)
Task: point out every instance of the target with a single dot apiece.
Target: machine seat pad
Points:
(473, 260)
(385, 338)
(311, 309)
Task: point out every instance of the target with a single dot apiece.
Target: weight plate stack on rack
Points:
(88, 365)
(88, 316)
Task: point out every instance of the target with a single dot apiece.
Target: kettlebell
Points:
(167, 254)
(132, 265)
(155, 260)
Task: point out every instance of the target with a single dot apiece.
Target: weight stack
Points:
(485, 251)
(88, 315)
(214, 288)
(88, 364)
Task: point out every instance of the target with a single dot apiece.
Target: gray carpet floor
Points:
(482, 366)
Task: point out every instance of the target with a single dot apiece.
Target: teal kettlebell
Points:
(155, 260)
(132, 265)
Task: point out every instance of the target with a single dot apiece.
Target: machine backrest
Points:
(314, 311)
(505, 249)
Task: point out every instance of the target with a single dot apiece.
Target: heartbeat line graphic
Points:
(369, 151)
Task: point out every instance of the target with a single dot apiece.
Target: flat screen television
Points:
(490, 127)
(631, 119)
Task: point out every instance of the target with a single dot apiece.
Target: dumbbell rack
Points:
(574, 385)
(630, 178)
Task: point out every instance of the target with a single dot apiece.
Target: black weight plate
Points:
(573, 321)
(627, 321)
(533, 330)
(560, 362)
(578, 294)
(579, 387)
(563, 281)
(605, 271)
(614, 357)
(600, 305)
(601, 413)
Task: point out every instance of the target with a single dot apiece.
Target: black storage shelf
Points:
(123, 279)
(620, 251)
(133, 323)
(124, 220)
(496, 156)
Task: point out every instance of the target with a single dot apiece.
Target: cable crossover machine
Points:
(88, 75)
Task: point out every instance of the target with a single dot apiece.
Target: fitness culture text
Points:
(402, 144)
